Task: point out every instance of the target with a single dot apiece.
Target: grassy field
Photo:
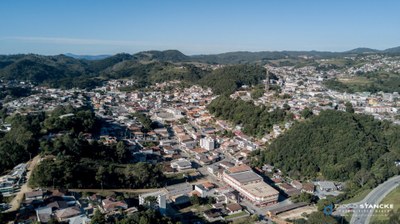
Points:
(358, 197)
(243, 213)
(392, 198)
(357, 80)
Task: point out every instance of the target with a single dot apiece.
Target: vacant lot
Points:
(296, 213)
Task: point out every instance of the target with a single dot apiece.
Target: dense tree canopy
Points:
(71, 119)
(231, 78)
(148, 216)
(339, 146)
(256, 120)
(21, 141)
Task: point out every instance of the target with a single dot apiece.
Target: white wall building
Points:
(207, 143)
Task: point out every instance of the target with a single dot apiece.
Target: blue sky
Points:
(195, 26)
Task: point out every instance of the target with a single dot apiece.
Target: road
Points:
(363, 215)
(16, 201)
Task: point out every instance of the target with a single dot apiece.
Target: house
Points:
(151, 136)
(297, 184)
(226, 164)
(66, 213)
(169, 150)
(43, 214)
(59, 204)
(308, 188)
(204, 189)
(327, 186)
(234, 208)
(212, 169)
(213, 215)
(94, 198)
(221, 199)
(139, 135)
(289, 189)
(80, 219)
(34, 195)
(111, 204)
(218, 205)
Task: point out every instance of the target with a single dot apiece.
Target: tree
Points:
(303, 197)
(362, 177)
(101, 175)
(319, 217)
(151, 201)
(306, 113)
(195, 200)
(349, 107)
(122, 152)
(255, 218)
(98, 218)
(144, 220)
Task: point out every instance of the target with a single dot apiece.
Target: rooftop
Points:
(240, 168)
(246, 177)
(260, 189)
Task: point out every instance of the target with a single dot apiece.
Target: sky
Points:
(93, 27)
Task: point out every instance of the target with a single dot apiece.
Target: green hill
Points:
(337, 146)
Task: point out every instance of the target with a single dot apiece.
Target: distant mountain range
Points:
(238, 56)
(88, 57)
(86, 71)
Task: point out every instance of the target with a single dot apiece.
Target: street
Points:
(362, 215)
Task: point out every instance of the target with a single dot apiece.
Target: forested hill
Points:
(145, 68)
(337, 146)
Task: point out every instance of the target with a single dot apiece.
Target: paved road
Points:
(16, 201)
(363, 215)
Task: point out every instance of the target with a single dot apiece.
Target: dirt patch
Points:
(296, 213)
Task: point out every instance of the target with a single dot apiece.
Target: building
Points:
(66, 213)
(251, 185)
(10, 183)
(34, 195)
(308, 188)
(207, 143)
(160, 196)
(327, 186)
(234, 208)
(181, 164)
(111, 204)
(204, 189)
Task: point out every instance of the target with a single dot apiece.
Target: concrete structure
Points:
(250, 185)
